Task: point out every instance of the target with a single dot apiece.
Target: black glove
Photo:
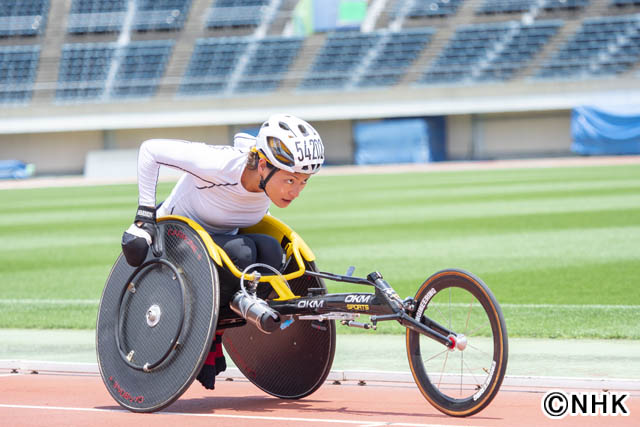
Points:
(139, 236)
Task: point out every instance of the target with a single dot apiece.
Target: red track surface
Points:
(70, 400)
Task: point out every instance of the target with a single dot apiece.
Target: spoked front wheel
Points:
(464, 380)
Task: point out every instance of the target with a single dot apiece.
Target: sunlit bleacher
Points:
(236, 13)
(489, 52)
(429, 8)
(268, 63)
(18, 67)
(94, 71)
(564, 4)
(23, 18)
(341, 55)
(212, 63)
(506, 6)
(157, 15)
(602, 46)
(623, 3)
(397, 53)
(100, 50)
(104, 16)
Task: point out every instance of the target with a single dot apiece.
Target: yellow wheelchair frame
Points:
(271, 226)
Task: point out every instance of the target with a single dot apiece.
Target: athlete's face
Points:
(284, 187)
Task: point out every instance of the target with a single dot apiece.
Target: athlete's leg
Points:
(243, 250)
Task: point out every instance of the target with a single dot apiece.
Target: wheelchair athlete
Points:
(225, 188)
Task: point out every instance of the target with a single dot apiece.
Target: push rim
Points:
(153, 314)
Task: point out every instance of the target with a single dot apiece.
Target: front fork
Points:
(383, 305)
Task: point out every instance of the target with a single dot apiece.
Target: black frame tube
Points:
(383, 305)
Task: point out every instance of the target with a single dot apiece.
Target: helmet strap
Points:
(263, 181)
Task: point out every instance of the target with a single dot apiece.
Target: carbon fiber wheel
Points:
(289, 363)
(156, 322)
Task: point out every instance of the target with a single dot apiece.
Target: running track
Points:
(74, 399)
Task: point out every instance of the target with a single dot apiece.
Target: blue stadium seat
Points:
(341, 54)
(103, 16)
(212, 62)
(602, 46)
(268, 64)
(395, 57)
(564, 4)
(141, 68)
(623, 3)
(505, 6)
(96, 16)
(85, 67)
(489, 52)
(83, 70)
(158, 15)
(23, 18)
(236, 13)
(18, 68)
(428, 8)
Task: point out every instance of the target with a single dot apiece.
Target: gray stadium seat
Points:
(489, 52)
(18, 68)
(23, 18)
(602, 46)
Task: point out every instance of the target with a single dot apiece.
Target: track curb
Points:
(533, 383)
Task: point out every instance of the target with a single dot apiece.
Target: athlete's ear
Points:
(262, 165)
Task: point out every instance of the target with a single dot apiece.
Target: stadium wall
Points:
(469, 137)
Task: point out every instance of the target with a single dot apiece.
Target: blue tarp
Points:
(413, 140)
(606, 130)
(15, 169)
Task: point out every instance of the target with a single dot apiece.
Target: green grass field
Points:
(559, 247)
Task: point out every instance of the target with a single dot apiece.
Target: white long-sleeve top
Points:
(210, 191)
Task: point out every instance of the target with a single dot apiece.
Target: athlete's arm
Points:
(192, 157)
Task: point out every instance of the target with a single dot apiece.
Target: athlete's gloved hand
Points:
(139, 236)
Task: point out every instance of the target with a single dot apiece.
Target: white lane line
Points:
(245, 417)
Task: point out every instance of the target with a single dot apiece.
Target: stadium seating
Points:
(564, 4)
(212, 63)
(395, 57)
(215, 60)
(23, 18)
(505, 6)
(479, 49)
(85, 69)
(267, 65)
(156, 15)
(489, 52)
(18, 69)
(622, 3)
(341, 54)
(518, 6)
(235, 13)
(102, 16)
(379, 58)
(602, 46)
(430, 8)
(141, 68)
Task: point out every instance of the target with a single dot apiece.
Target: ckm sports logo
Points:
(557, 404)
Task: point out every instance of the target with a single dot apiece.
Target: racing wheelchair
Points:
(156, 323)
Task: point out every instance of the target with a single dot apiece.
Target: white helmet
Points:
(290, 143)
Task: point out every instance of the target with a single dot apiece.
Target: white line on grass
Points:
(246, 417)
(32, 301)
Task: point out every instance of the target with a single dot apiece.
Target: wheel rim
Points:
(458, 374)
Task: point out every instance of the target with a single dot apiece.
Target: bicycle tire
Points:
(462, 381)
